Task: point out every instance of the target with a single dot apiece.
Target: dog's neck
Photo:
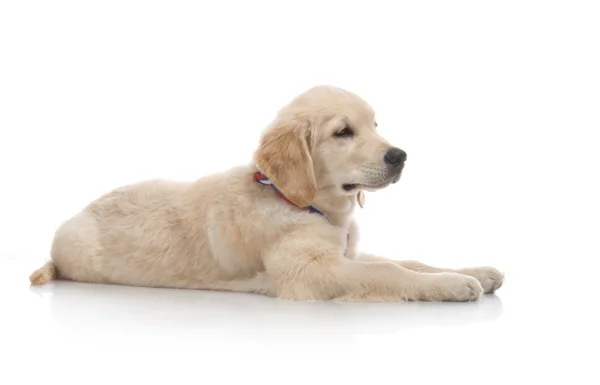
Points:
(329, 202)
(338, 208)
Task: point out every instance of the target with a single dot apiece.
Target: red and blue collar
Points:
(263, 179)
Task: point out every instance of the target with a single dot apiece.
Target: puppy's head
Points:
(327, 138)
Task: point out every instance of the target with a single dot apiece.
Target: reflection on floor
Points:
(119, 334)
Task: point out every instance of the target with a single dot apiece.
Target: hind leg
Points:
(76, 251)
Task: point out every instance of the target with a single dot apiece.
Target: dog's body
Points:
(229, 232)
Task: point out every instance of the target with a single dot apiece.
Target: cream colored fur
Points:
(227, 232)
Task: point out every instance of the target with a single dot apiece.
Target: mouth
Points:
(363, 186)
(391, 179)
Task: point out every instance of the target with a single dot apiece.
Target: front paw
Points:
(490, 278)
(454, 287)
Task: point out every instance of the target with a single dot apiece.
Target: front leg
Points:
(309, 264)
(490, 278)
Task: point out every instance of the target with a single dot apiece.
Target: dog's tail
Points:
(44, 274)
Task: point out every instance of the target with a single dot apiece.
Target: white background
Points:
(496, 103)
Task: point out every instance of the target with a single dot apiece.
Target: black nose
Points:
(395, 157)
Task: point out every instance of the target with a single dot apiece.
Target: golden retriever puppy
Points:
(281, 226)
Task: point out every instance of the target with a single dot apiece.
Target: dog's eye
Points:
(346, 132)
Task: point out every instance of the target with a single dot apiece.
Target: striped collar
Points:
(262, 179)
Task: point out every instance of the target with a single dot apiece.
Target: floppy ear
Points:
(284, 157)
